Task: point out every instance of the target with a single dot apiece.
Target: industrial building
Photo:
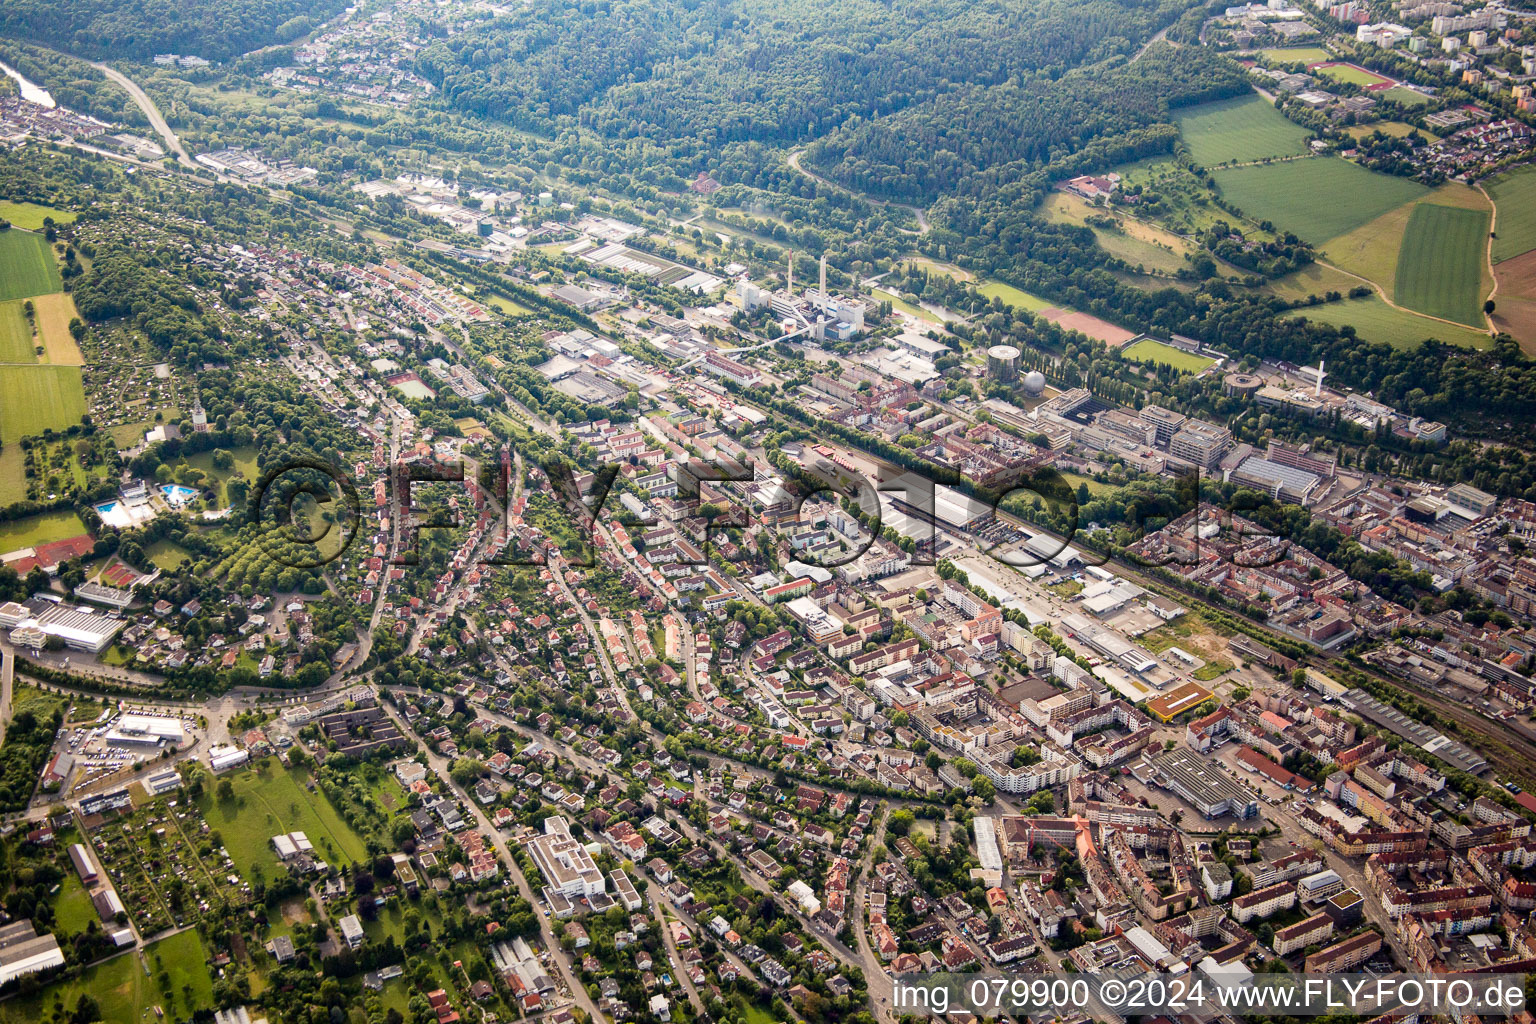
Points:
(82, 629)
(145, 731)
(1203, 784)
(23, 951)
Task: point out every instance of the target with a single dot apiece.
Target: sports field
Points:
(1352, 74)
(1407, 97)
(1239, 130)
(1149, 351)
(37, 398)
(1296, 55)
(1374, 320)
(26, 266)
(30, 215)
(1439, 269)
(1318, 198)
(1514, 195)
(16, 345)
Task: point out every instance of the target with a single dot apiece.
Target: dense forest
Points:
(973, 139)
(141, 28)
(698, 75)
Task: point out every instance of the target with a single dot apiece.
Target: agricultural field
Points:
(1318, 198)
(31, 215)
(1514, 198)
(16, 344)
(27, 266)
(1373, 249)
(1153, 352)
(1439, 271)
(1351, 74)
(1515, 311)
(39, 398)
(54, 312)
(269, 800)
(1240, 130)
(1374, 320)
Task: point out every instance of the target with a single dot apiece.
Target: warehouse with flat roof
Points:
(1204, 784)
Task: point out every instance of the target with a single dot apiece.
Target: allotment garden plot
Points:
(169, 867)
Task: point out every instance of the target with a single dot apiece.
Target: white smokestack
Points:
(790, 287)
(823, 287)
(1317, 389)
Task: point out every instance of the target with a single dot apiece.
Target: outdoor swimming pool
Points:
(177, 495)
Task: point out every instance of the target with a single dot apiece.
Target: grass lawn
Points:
(903, 306)
(269, 800)
(74, 910)
(39, 529)
(1377, 321)
(1297, 55)
(165, 554)
(1211, 670)
(1318, 198)
(54, 312)
(1239, 130)
(124, 992)
(1514, 197)
(1149, 351)
(27, 266)
(1012, 296)
(1351, 74)
(1312, 279)
(1395, 129)
(1440, 268)
(245, 462)
(506, 305)
(1138, 244)
(16, 344)
(30, 215)
(37, 398)
(1095, 488)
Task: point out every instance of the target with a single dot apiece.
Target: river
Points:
(29, 92)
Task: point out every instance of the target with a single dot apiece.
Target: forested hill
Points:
(1010, 130)
(700, 75)
(215, 29)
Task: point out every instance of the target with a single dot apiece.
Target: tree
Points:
(1488, 307)
(225, 791)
